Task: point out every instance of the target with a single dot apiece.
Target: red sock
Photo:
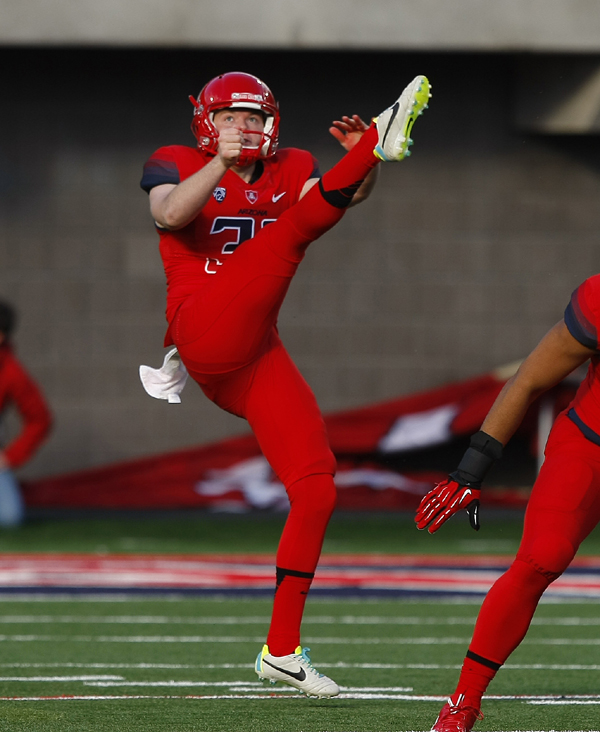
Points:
(503, 620)
(474, 679)
(355, 165)
(288, 607)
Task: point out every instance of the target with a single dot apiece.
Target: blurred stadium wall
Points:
(462, 258)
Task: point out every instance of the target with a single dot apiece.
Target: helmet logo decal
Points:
(252, 196)
(219, 194)
(243, 95)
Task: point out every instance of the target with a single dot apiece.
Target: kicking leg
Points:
(229, 319)
(386, 140)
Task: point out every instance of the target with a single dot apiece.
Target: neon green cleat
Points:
(296, 670)
(395, 123)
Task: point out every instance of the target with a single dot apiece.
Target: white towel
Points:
(168, 381)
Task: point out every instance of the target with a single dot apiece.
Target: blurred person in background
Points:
(235, 216)
(18, 390)
(564, 506)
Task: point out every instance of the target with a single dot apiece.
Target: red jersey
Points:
(235, 212)
(582, 318)
(19, 389)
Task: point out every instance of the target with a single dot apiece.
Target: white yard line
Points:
(564, 702)
(425, 641)
(264, 620)
(273, 696)
(123, 595)
(338, 664)
(221, 639)
(244, 686)
(87, 679)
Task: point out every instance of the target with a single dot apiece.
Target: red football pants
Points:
(227, 338)
(563, 509)
(226, 332)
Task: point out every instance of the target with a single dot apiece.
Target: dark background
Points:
(460, 261)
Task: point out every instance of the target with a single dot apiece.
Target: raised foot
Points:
(395, 123)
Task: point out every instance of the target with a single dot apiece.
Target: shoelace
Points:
(306, 657)
(458, 722)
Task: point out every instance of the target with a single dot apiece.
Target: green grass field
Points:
(195, 532)
(182, 664)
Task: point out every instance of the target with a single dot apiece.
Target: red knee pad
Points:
(312, 502)
(549, 554)
(315, 492)
(306, 458)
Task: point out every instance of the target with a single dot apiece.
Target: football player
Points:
(235, 216)
(563, 508)
(230, 214)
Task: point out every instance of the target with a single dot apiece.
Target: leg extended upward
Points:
(386, 140)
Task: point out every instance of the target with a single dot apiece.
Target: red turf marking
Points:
(255, 571)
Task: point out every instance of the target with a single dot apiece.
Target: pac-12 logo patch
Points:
(219, 194)
(252, 196)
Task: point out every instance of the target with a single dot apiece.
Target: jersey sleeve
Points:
(316, 172)
(582, 314)
(307, 165)
(298, 166)
(36, 417)
(160, 168)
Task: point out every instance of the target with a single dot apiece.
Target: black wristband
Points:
(487, 444)
(482, 453)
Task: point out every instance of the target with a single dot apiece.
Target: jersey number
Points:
(243, 226)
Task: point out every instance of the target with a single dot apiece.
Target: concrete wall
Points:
(463, 257)
(549, 25)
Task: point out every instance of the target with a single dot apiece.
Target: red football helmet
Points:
(236, 89)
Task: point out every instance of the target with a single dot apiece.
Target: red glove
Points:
(446, 499)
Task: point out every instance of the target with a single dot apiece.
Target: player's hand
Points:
(231, 142)
(446, 499)
(348, 131)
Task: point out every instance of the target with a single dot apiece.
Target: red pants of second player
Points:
(563, 509)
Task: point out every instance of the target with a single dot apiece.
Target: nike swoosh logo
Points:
(276, 198)
(298, 675)
(396, 107)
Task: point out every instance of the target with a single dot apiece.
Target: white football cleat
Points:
(395, 123)
(296, 670)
